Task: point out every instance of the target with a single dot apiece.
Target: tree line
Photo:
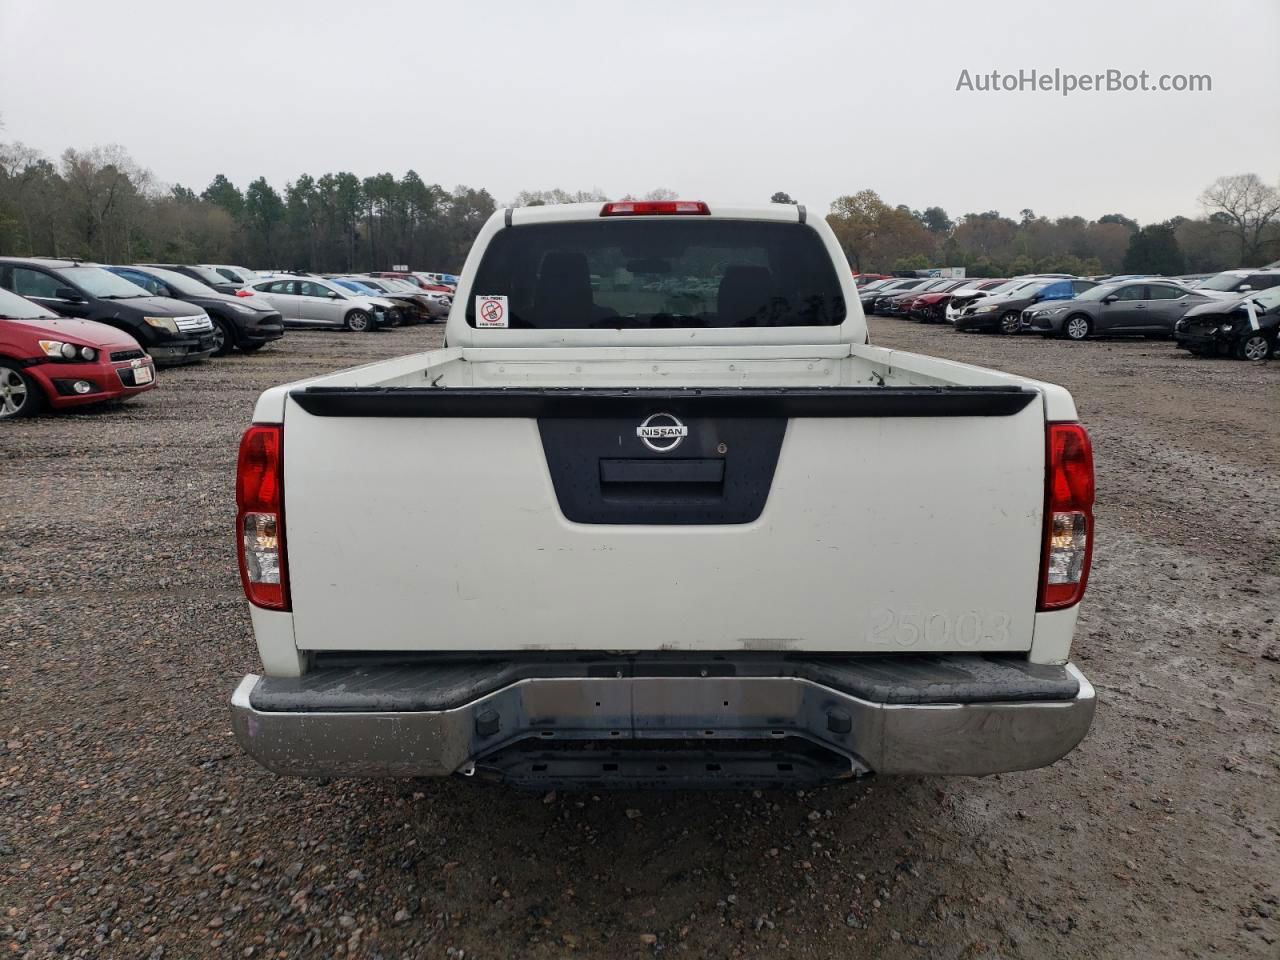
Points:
(1240, 226)
(100, 204)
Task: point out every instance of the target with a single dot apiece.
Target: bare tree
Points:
(541, 198)
(1245, 207)
(106, 186)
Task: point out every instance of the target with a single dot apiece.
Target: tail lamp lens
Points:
(1068, 536)
(260, 517)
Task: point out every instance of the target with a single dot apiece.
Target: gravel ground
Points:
(132, 826)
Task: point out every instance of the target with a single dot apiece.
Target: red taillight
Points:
(1068, 516)
(260, 516)
(242, 292)
(633, 208)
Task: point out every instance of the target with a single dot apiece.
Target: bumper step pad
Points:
(436, 716)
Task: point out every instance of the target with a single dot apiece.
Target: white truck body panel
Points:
(877, 535)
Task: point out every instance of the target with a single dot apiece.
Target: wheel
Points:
(20, 396)
(251, 347)
(1254, 347)
(1077, 327)
(359, 321)
(224, 341)
(1010, 322)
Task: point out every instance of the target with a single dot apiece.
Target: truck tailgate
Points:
(858, 519)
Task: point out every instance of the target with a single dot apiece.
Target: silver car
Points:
(312, 301)
(241, 276)
(1133, 307)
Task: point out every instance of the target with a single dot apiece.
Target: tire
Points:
(1077, 327)
(1255, 348)
(20, 396)
(1010, 322)
(224, 340)
(358, 321)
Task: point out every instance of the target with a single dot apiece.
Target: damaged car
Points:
(1246, 328)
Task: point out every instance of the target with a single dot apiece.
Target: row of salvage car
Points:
(1235, 313)
(74, 333)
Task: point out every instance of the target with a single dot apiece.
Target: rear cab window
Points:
(656, 274)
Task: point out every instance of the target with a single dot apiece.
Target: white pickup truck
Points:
(659, 514)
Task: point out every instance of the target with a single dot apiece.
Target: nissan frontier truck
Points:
(659, 514)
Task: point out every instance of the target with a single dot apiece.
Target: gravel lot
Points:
(132, 826)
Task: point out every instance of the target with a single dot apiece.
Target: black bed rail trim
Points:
(629, 402)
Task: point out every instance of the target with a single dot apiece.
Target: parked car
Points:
(171, 331)
(932, 307)
(661, 572)
(1192, 279)
(239, 275)
(413, 278)
(890, 303)
(206, 275)
(314, 301)
(1227, 328)
(966, 296)
(860, 280)
(1149, 308)
(906, 303)
(878, 289)
(246, 323)
(862, 291)
(1003, 313)
(52, 361)
(438, 279)
(1234, 283)
(426, 306)
(401, 312)
(438, 302)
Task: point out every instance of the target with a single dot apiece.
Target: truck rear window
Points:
(658, 274)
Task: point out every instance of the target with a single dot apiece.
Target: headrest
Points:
(562, 297)
(745, 292)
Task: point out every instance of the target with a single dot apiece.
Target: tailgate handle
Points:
(662, 471)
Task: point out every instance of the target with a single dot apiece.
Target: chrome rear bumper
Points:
(937, 738)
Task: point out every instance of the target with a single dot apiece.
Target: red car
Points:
(414, 279)
(48, 360)
(932, 307)
(862, 279)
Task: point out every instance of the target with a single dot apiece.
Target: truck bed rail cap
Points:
(994, 401)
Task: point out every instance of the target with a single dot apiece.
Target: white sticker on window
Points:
(491, 311)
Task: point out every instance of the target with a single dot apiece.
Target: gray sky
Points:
(716, 100)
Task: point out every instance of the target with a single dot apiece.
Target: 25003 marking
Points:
(937, 629)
